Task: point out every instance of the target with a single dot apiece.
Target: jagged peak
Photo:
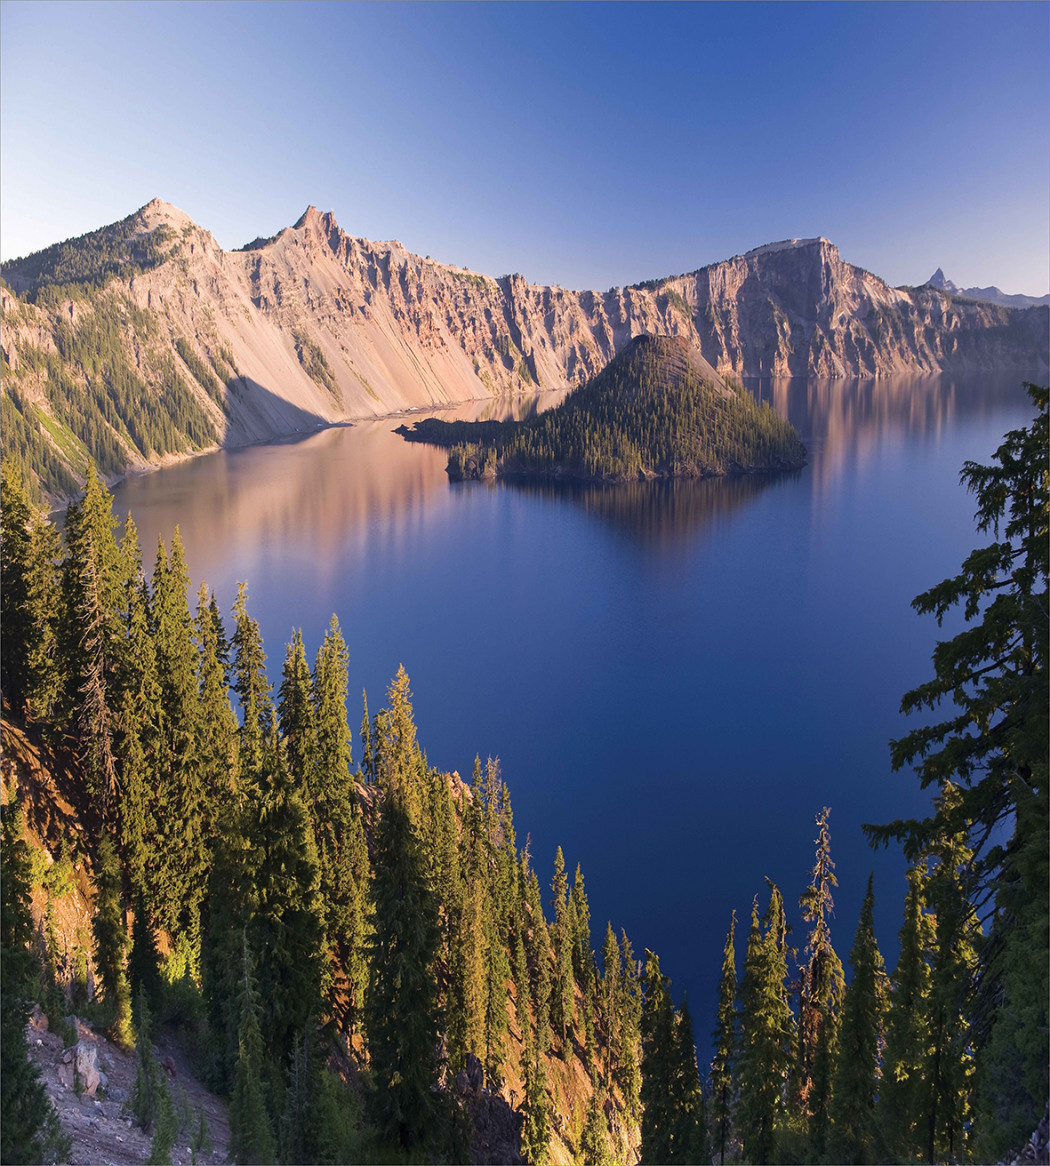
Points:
(318, 220)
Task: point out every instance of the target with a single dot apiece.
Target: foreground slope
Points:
(145, 341)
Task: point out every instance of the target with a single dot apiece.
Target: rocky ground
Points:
(90, 1084)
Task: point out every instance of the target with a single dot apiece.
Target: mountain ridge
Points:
(992, 295)
(315, 326)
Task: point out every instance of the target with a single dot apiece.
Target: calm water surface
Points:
(676, 677)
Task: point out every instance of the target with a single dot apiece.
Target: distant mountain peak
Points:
(990, 295)
(939, 281)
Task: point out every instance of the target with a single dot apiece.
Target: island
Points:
(657, 410)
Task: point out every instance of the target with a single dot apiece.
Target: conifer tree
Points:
(688, 1129)
(992, 745)
(16, 627)
(957, 938)
(658, 1065)
(111, 944)
(251, 1137)
(594, 1140)
(402, 1017)
(630, 1006)
(725, 1039)
(217, 742)
(29, 1126)
(539, 953)
(467, 989)
(610, 1000)
(286, 930)
(251, 686)
(535, 1134)
(903, 1091)
(295, 716)
(820, 998)
(138, 741)
(339, 829)
(765, 1031)
(144, 961)
(182, 807)
(561, 994)
(855, 1136)
(398, 760)
(91, 638)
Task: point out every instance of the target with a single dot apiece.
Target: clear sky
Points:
(587, 145)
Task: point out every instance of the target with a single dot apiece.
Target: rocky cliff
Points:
(146, 341)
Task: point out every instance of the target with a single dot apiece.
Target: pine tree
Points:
(286, 930)
(630, 1006)
(688, 1129)
(138, 740)
(182, 807)
(820, 998)
(339, 828)
(765, 1030)
(957, 938)
(29, 1126)
(725, 1038)
(903, 1091)
(295, 714)
(144, 961)
(535, 1134)
(111, 944)
(610, 1000)
(251, 1138)
(16, 627)
(658, 1065)
(993, 747)
(467, 988)
(594, 1140)
(91, 639)
(217, 739)
(562, 994)
(402, 1017)
(855, 1136)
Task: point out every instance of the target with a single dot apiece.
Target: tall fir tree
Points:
(182, 806)
(904, 1088)
(111, 943)
(91, 640)
(821, 991)
(658, 1065)
(689, 1127)
(562, 986)
(725, 1040)
(29, 1125)
(855, 1134)
(402, 1015)
(251, 1135)
(765, 1032)
(992, 746)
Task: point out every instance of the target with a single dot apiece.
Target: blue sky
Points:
(582, 144)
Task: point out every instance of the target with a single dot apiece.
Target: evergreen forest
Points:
(650, 413)
(354, 947)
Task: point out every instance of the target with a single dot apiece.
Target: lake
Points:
(675, 676)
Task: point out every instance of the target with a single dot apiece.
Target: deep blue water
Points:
(675, 677)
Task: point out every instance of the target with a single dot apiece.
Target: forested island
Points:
(657, 410)
(361, 957)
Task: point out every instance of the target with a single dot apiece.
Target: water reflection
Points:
(319, 493)
(659, 513)
(845, 421)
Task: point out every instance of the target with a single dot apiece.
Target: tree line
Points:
(317, 914)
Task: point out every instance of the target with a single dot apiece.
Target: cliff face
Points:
(316, 326)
